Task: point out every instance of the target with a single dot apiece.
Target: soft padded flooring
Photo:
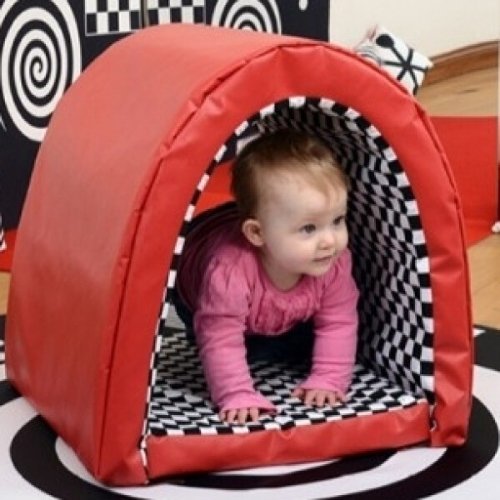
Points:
(180, 402)
(471, 146)
(35, 463)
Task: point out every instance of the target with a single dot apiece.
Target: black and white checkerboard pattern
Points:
(106, 17)
(181, 406)
(175, 11)
(111, 17)
(390, 267)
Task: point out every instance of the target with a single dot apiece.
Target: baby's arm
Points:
(335, 340)
(223, 354)
(219, 323)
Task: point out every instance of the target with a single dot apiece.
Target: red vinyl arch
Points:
(122, 157)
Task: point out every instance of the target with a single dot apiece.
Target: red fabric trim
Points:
(178, 455)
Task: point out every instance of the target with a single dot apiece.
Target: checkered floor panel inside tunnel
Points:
(180, 403)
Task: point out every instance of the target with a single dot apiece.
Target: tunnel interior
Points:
(395, 359)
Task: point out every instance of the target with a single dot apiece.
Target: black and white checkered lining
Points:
(181, 404)
(390, 266)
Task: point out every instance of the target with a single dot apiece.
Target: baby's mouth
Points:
(324, 260)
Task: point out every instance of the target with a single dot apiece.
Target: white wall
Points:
(430, 26)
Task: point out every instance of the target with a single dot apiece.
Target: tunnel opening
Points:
(395, 360)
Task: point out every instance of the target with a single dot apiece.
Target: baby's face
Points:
(303, 228)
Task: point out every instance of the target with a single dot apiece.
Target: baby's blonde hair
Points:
(280, 153)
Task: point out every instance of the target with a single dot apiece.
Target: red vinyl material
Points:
(179, 455)
(122, 157)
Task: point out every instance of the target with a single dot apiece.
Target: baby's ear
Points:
(253, 232)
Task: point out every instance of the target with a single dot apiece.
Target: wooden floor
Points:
(472, 94)
(4, 291)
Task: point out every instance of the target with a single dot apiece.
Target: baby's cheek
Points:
(343, 240)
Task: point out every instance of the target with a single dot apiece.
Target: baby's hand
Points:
(317, 397)
(240, 415)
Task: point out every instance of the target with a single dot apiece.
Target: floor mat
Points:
(36, 463)
(471, 146)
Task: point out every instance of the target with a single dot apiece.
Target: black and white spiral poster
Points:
(45, 44)
(40, 57)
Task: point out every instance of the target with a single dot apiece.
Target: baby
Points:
(273, 267)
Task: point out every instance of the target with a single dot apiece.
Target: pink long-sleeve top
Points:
(221, 279)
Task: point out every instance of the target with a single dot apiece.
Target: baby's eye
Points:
(338, 221)
(308, 228)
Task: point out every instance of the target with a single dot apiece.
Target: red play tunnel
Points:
(127, 156)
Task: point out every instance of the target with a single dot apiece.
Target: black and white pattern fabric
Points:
(387, 242)
(396, 57)
(175, 11)
(3, 244)
(112, 17)
(181, 404)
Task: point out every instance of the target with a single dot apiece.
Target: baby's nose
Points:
(328, 239)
